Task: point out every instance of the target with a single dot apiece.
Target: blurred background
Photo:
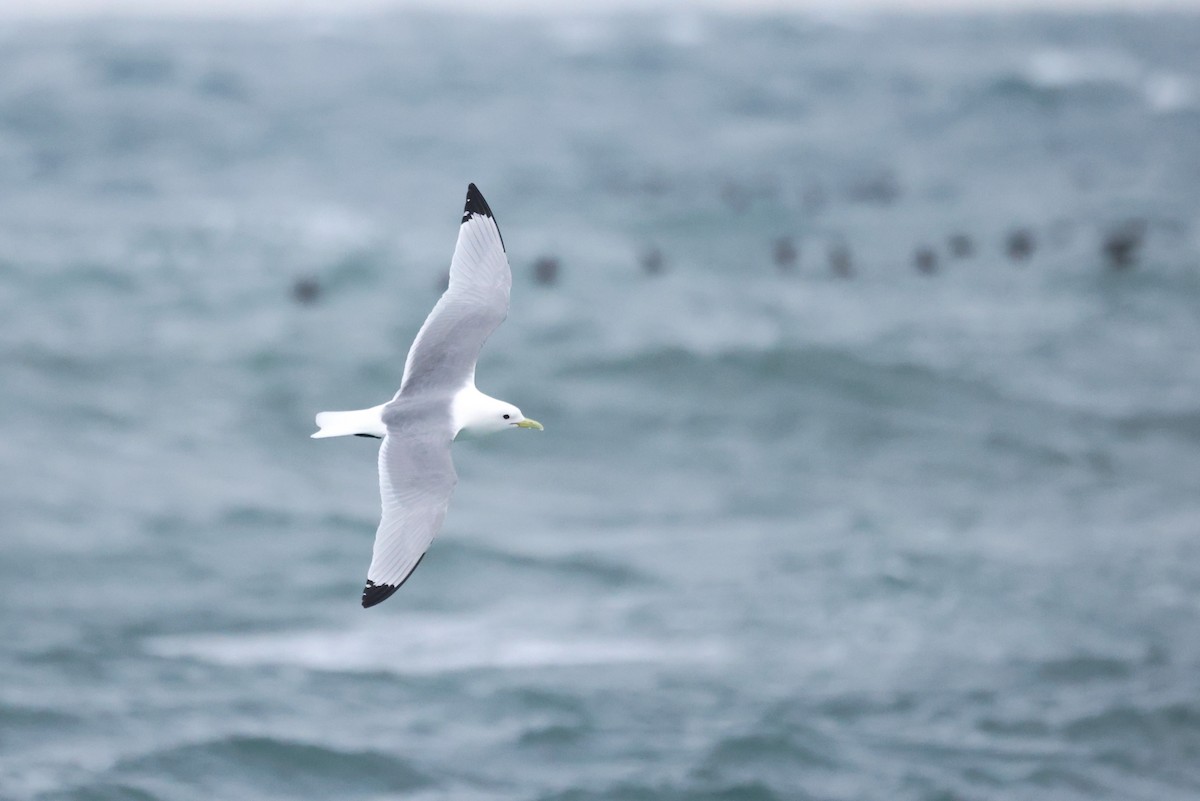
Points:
(867, 345)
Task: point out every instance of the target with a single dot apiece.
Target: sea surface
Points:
(870, 378)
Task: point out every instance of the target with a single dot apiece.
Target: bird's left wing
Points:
(444, 353)
(416, 479)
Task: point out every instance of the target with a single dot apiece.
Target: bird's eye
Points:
(506, 417)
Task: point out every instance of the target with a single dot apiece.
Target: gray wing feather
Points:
(416, 479)
(444, 353)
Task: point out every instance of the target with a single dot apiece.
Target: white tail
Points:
(367, 422)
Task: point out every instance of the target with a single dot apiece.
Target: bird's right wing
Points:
(444, 353)
(416, 479)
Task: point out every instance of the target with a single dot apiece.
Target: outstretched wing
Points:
(444, 353)
(416, 479)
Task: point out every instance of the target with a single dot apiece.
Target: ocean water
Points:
(836, 528)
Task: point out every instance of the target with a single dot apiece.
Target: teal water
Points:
(788, 534)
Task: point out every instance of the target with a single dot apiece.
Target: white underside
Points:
(470, 411)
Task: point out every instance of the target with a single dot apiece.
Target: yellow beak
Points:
(527, 423)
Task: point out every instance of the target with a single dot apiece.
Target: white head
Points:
(476, 413)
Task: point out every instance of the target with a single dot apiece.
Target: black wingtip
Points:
(377, 593)
(476, 204)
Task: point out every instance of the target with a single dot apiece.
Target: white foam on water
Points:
(1169, 91)
(1061, 69)
(424, 646)
(1162, 90)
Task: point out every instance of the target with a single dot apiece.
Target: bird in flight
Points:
(437, 400)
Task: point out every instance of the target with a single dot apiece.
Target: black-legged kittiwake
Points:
(437, 400)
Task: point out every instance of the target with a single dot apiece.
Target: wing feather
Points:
(416, 480)
(445, 350)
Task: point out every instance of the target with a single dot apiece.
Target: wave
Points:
(21, 724)
(458, 558)
(1172, 725)
(556, 735)
(1058, 72)
(775, 363)
(281, 766)
(1085, 668)
(102, 791)
(1184, 424)
(753, 790)
(782, 748)
(804, 371)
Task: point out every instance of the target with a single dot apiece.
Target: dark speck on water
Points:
(545, 270)
(879, 188)
(306, 290)
(652, 261)
(785, 254)
(1122, 242)
(841, 262)
(925, 260)
(961, 246)
(1019, 244)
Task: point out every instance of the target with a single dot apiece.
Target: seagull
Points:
(436, 402)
